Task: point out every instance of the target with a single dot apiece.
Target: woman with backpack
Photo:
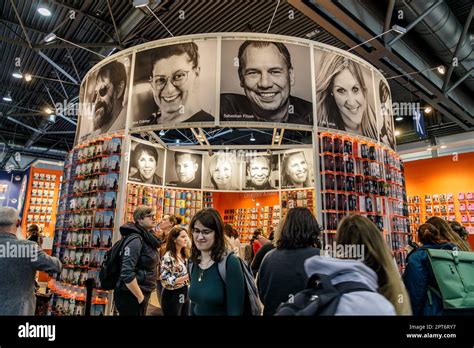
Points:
(139, 264)
(208, 292)
(418, 276)
(281, 274)
(357, 230)
(174, 274)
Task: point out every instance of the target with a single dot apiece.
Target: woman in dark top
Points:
(282, 273)
(418, 276)
(35, 235)
(139, 264)
(208, 292)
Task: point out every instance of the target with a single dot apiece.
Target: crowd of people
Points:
(201, 269)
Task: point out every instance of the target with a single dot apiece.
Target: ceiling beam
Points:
(55, 65)
(21, 23)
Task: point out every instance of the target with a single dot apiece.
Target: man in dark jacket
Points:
(139, 264)
(19, 261)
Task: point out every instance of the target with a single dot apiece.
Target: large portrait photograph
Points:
(175, 84)
(344, 94)
(385, 115)
(105, 101)
(146, 163)
(265, 81)
(296, 169)
(261, 172)
(222, 171)
(183, 169)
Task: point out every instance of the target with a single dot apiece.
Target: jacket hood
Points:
(348, 270)
(147, 236)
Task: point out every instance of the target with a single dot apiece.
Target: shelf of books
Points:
(85, 224)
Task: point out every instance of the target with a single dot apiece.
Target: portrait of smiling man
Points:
(108, 98)
(266, 75)
(259, 169)
(174, 80)
(187, 168)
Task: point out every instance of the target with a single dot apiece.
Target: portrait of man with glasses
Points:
(174, 79)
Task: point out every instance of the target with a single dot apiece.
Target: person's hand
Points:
(141, 299)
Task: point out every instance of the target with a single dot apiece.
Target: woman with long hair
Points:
(342, 96)
(223, 171)
(174, 274)
(209, 293)
(448, 234)
(419, 277)
(359, 230)
(281, 272)
(296, 171)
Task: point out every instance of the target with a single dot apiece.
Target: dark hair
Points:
(210, 218)
(448, 233)
(229, 231)
(298, 229)
(262, 44)
(459, 229)
(384, 92)
(189, 48)
(140, 212)
(271, 237)
(194, 157)
(179, 220)
(116, 73)
(235, 233)
(141, 148)
(428, 234)
(171, 245)
(33, 228)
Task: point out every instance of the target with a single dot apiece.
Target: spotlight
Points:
(397, 133)
(8, 97)
(28, 77)
(252, 138)
(48, 110)
(43, 9)
(50, 37)
(162, 133)
(140, 3)
(428, 109)
(177, 141)
(441, 69)
(399, 118)
(399, 29)
(17, 73)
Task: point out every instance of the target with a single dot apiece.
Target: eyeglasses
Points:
(204, 233)
(150, 216)
(177, 79)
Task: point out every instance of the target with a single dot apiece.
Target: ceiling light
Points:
(252, 138)
(28, 77)
(397, 133)
(443, 146)
(428, 109)
(162, 133)
(177, 141)
(48, 110)
(140, 3)
(399, 29)
(441, 69)
(43, 9)
(429, 149)
(399, 118)
(8, 97)
(50, 37)
(17, 73)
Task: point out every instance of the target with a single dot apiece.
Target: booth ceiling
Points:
(108, 26)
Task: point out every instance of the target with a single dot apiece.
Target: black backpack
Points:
(320, 297)
(112, 265)
(252, 303)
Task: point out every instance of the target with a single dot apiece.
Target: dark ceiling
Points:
(60, 66)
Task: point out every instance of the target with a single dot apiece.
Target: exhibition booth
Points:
(121, 159)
